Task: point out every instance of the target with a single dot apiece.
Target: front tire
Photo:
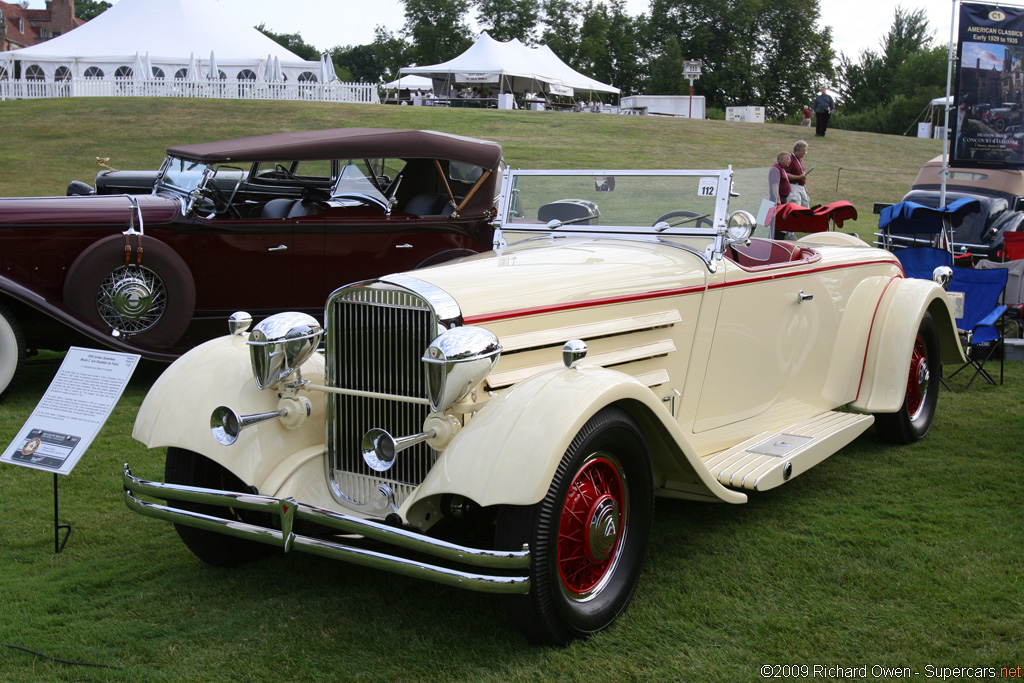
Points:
(914, 418)
(588, 536)
(12, 350)
(191, 469)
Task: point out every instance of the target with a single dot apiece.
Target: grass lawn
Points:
(880, 556)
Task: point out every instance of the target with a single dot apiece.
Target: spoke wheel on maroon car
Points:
(149, 302)
(1000, 125)
(682, 215)
(914, 418)
(587, 537)
(191, 469)
(12, 350)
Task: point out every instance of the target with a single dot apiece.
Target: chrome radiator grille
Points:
(376, 336)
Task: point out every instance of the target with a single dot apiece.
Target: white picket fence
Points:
(159, 87)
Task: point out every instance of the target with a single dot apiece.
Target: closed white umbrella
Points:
(148, 72)
(278, 74)
(326, 69)
(268, 70)
(193, 70)
(138, 72)
(214, 71)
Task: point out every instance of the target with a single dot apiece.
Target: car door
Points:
(773, 342)
(369, 247)
(243, 264)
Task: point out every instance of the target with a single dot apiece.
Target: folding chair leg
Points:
(981, 368)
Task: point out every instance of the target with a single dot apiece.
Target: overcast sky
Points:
(856, 24)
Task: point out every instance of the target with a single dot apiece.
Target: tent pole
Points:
(945, 138)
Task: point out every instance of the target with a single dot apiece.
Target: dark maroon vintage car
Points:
(262, 223)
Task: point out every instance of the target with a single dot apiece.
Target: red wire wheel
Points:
(914, 418)
(592, 525)
(917, 381)
(587, 537)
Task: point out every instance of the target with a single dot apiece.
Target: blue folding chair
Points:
(979, 327)
(921, 262)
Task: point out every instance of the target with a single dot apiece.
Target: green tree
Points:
(885, 91)
(90, 9)
(754, 52)
(376, 62)
(561, 28)
(507, 19)
(667, 71)
(293, 42)
(437, 29)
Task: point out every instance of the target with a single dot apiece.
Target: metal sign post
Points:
(691, 72)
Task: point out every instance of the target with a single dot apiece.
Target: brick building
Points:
(20, 27)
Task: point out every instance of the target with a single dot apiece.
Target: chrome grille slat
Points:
(376, 338)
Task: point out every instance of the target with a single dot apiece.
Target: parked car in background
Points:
(1002, 117)
(265, 223)
(503, 423)
(1000, 192)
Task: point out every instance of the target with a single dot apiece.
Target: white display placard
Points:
(70, 414)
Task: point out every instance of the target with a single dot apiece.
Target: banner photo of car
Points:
(989, 90)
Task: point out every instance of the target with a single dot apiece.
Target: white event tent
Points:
(165, 39)
(510, 66)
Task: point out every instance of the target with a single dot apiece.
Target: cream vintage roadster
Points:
(504, 422)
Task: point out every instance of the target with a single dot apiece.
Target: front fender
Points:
(23, 295)
(507, 453)
(883, 384)
(176, 411)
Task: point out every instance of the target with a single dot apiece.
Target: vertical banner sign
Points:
(988, 131)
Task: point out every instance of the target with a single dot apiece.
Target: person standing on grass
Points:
(778, 179)
(797, 175)
(807, 116)
(824, 105)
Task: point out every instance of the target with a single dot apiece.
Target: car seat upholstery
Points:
(429, 204)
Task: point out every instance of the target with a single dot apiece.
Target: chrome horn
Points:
(226, 424)
(380, 449)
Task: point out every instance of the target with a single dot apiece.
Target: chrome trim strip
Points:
(364, 394)
(445, 307)
(288, 510)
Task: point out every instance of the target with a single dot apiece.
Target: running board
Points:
(767, 460)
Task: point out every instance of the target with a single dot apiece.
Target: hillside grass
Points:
(49, 142)
(878, 557)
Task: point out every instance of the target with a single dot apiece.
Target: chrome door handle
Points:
(279, 247)
(801, 297)
(403, 246)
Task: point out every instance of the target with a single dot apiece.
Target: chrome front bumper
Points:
(511, 567)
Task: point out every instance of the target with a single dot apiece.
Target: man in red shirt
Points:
(797, 176)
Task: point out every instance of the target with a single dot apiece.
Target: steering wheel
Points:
(702, 222)
(283, 171)
(222, 203)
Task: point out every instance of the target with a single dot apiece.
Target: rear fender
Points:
(176, 411)
(883, 384)
(507, 453)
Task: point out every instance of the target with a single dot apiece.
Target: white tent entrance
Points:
(492, 68)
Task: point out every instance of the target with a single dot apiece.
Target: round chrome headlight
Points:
(280, 344)
(942, 275)
(457, 361)
(741, 226)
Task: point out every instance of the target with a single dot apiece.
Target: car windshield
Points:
(181, 174)
(687, 201)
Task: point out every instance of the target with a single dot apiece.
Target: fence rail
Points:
(159, 87)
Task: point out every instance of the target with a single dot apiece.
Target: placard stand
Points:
(58, 543)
